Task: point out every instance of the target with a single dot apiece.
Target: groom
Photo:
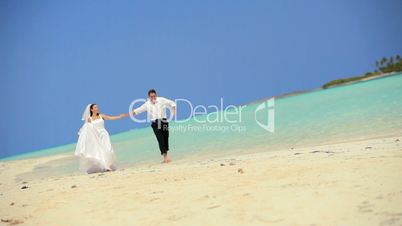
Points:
(156, 108)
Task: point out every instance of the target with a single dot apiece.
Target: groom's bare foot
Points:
(166, 158)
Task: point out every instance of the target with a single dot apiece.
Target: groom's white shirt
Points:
(155, 110)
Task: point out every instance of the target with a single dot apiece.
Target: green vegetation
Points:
(385, 65)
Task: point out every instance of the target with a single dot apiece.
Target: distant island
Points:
(385, 66)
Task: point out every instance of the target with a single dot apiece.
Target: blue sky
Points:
(58, 56)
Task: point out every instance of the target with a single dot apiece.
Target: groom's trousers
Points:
(161, 131)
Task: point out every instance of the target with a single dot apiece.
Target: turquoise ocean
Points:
(364, 110)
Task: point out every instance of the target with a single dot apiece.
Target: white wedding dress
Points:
(94, 148)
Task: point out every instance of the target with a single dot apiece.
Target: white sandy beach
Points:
(357, 183)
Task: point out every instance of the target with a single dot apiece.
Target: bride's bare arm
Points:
(109, 117)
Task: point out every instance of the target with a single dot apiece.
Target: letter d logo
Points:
(269, 107)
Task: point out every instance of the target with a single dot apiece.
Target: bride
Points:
(93, 147)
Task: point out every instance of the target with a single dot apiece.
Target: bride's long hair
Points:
(90, 110)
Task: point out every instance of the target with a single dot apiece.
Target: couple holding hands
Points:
(94, 147)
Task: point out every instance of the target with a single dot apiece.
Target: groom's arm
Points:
(172, 106)
(139, 110)
(173, 111)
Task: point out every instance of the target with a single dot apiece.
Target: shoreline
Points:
(353, 183)
(42, 161)
(38, 153)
